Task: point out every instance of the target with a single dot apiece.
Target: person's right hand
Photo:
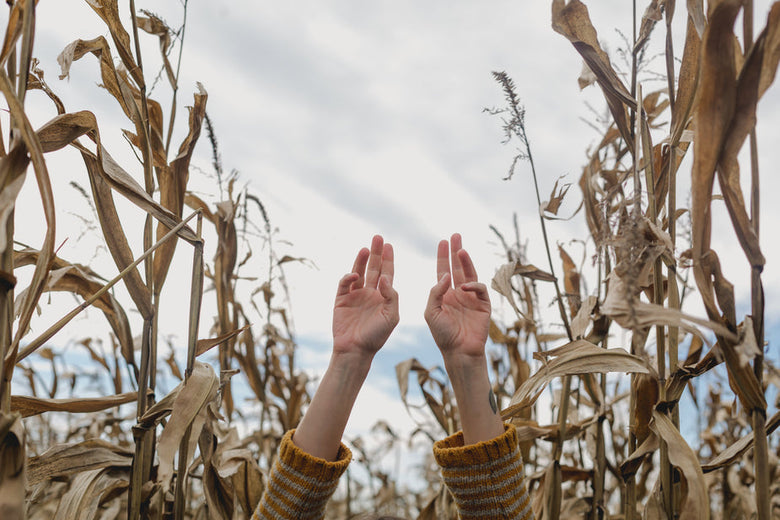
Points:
(366, 307)
(458, 310)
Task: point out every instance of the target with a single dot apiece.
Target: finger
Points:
(386, 289)
(479, 289)
(388, 267)
(437, 293)
(359, 267)
(374, 262)
(456, 245)
(345, 283)
(469, 271)
(442, 259)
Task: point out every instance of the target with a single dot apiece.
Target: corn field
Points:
(646, 328)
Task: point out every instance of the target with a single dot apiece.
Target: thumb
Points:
(437, 294)
(386, 288)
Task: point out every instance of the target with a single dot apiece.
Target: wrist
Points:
(351, 362)
(460, 362)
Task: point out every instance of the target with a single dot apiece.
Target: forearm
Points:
(479, 415)
(322, 427)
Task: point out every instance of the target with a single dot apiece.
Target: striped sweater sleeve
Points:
(486, 478)
(300, 485)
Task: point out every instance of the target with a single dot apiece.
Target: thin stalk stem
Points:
(175, 86)
(761, 447)
(563, 408)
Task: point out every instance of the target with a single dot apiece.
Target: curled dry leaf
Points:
(695, 501)
(204, 345)
(641, 315)
(577, 357)
(714, 113)
(573, 21)
(556, 198)
(153, 24)
(173, 180)
(87, 491)
(187, 417)
(108, 10)
(28, 406)
(63, 460)
(755, 76)
(111, 82)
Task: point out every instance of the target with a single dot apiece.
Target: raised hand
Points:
(366, 308)
(458, 310)
(364, 315)
(458, 314)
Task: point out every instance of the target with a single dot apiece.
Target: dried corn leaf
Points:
(735, 451)
(81, 280)
(645, 390)
(502, 284)
(577, 357)
(695, 502)
(631, 465)
(115, 238)
(204, 345)
(28, 406)
(715, 110)
(64, 460)
(639, 315)
(556, 198)
(402, 371)
(190, 403)
(580, 322)
(652, 15)
(573, 21)
(756, 75)
(111, 82)
(108, 10)
(12, 467)
(153, 24)
(696, 14)
(687, 84)
(87, 491)
(63, 129)
(571, 282)
(173, 186)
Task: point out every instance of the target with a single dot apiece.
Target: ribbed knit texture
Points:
(486, 478)
(300, 485)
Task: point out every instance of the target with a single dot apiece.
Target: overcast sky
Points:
(352, 117)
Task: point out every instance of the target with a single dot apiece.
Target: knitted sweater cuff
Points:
(322, 470)
(452, 452)
(299, 484)
(485, 478)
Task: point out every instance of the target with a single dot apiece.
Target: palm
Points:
(462, 323)
(362, 319)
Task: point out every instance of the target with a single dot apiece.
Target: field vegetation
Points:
(128, 425)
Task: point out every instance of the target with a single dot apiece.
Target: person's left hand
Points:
(366, 307)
